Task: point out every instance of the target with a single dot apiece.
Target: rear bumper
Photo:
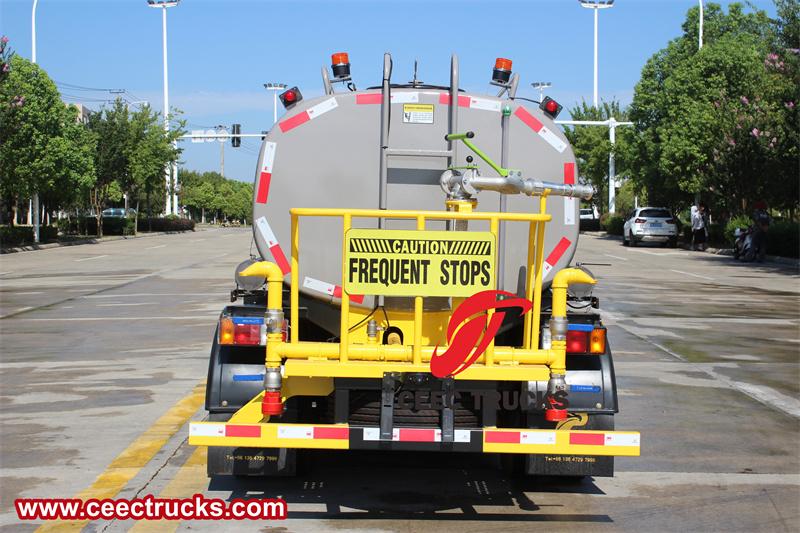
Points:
(348, 437)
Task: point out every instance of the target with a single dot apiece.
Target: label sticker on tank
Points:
(418, 113)
(419, 263)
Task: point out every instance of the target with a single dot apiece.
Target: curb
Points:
(716, 251)
(100, 240)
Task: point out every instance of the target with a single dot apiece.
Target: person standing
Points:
(698, 228)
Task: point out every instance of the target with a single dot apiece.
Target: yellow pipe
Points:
(493, 225)
(344, 322)
(417, 354)
(403, 353)
(538, 275)
(533, 231)
(561, 281)
(428, 215)
(294, 305)
(274, 276)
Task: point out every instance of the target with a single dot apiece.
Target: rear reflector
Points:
(242, 330)
(597, 341)
(225, 331)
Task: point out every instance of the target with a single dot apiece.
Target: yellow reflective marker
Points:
(128, 463)
(418, 263)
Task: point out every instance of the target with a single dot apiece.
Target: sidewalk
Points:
(92, 240)
(716, 251)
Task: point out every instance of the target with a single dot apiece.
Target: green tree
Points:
(112, 129)
(44, 149)
(592, 147)
(721, 121)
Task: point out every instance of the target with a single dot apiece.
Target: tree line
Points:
(210, 197)
(719, 122)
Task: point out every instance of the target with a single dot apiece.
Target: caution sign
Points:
(418, 113)
(419, 263)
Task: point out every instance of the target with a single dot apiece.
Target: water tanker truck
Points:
(412, 288)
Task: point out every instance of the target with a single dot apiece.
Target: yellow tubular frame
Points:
(350, 359)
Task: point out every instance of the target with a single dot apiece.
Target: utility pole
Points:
(222, 130)
(35, 200)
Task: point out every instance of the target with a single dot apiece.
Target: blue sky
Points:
(222, 51)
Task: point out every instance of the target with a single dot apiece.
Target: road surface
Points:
(104, 353)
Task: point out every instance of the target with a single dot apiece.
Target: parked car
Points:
(118, 212)
(650, 224)
(587, 214)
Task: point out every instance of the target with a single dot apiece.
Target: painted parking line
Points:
(691, 274)
(648, 252)
(189, 480)
(130, 462)
(616, 257)
(126, 304)
(154, 247)
(90, 258)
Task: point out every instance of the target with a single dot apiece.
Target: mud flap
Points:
(257, 462)
(575, 465)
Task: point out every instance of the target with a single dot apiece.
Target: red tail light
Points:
(640, 221)
(550, 107)
(247, 334)
(577, 341)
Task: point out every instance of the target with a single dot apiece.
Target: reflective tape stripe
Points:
(472, 102)
(586, 438)
(243, 431)
(622, 439)
(502, 437)
(206, 430)
(535, 124)
(272, 244)
(569, 203)
(329, 288)
(265, 176)
(555, 255)
(313, 432)
(370, 98)
(309, 114)
(396, 98)
(537, 437)
(419, 435)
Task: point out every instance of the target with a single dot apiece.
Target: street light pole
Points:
(35, 200)
(275, 87)
(700, 30)
(220, 128)
(596, 5)
(163, 5)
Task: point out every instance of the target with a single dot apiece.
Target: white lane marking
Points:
(93, 319)
(16, 311)
(90, 258)
(188, 293)
(197, 240)
(154, 247)
(616, 257)
(126, 304)
(648, 252)
(4, 273)
(26, 293)
(690, 274)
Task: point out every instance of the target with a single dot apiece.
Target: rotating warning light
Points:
(290, 97)
(340, 64)
(550, 107)
(502, 70)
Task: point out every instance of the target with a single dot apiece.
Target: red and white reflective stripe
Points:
(329, 288)
(313, 432)
(520, 437)
(416, 435)
(472, 102)
(536, 125)
(264, 177)
(555, 255)
(569, 203)
(309, 114)
(272, 244)
(225, 430)
(396, 98)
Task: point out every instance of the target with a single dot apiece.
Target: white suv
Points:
(650, 224)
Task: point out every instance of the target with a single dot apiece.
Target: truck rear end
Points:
(452, 329)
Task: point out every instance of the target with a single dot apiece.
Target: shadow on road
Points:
(410, 486)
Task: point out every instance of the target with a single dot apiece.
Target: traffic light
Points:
(236, 130)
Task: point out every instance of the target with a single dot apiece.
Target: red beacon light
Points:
(340, 64)
(502, 71)
(550, 107)
(290, 97)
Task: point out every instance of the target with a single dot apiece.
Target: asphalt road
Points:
(104, 349)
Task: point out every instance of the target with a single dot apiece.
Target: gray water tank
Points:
(325, 153)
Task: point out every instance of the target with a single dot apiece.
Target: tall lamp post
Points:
(34, 204)
(275, 88)
(163, 5)
(700, 29)
(596, 5)
(541, 85)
